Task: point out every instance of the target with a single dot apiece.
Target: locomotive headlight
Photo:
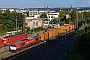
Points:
(12, 48)
(27, 42)
(4, 39)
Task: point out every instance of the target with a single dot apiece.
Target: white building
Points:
(3, 10)
(24, 12)
(36, 12)
(52, 15)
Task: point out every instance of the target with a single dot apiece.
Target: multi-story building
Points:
(52, 15)
(33, 13)
(33, 22)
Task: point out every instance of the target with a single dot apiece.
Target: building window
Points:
(49, 16)
(36, 23)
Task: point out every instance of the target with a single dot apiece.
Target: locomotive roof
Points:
(13, 35)
(19, 41)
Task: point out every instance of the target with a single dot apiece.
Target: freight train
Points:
(7, 40)
(47, 35)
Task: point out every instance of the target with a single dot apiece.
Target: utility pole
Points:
(24, 29)
(57, 22)
(48, 17)
(82, 15)
(77, 19)
(33, 25)
(59, 18)
(52, 19)
(16, 23)
(43, 20)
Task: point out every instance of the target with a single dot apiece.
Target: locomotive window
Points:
(13, 45)
(37, 38)
(2, 40)
(22, 44)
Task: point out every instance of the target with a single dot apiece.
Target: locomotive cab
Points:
(12, 47)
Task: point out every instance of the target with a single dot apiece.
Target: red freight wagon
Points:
(13, 38)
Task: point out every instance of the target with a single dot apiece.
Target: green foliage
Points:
(81, 50)
(62, 15)
(8, 21)
(54, 21)
(43, 15)
(80, 17)
(49, 27)
(28, 30)
(73, 15)
(86, 15)
(37, 29)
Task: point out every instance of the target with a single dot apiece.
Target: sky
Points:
(43, 3)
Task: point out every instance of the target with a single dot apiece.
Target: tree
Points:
(62, 15)
(55, 21)
(43, 15)
(73, 15)
(44, 18)
(8, 20)
(86, 15)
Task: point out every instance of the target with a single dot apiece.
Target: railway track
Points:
(54, 51)
(42, 51)
(10, 56)
(34, 53)
(59, 56)
(58, 53)
(5, 52)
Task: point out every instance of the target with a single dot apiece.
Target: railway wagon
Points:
(60, 30)
(42, 36)
(53, 33)
(10, 39)
(1, 43)
(24, 43)
(68, 27)
(71, 27)
(64, 29)
(48, 34)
